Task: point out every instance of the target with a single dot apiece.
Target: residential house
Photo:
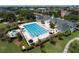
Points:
(64, 25)
(60, 25)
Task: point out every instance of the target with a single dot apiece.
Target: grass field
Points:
(74, 47)
(49, 48)
(59, 47)
(6, 47)
(2, 25)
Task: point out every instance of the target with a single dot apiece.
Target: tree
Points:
(2, 33)
(19, 18)
(52, 39)
(41, 48)
(59, 36)
(67, 33)
(19, 37)
(48, 13)
(8, 26)
(14, 26)
(2, 14)
(31, 17)
(24, 13)
(52, 25)
(10, 17)
(73, 16)
(57, 13)
(9, 39)
(41, 45)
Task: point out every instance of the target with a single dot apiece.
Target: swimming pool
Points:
(35, 30)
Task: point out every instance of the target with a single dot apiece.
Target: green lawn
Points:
(74, 47)
(50, 48)
(6, 47)
(2, 25)
(35, 50)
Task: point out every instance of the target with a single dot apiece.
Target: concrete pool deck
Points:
(28, 36)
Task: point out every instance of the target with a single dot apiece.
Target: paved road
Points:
(68, 44)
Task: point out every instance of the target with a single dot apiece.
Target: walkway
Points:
(68, 44)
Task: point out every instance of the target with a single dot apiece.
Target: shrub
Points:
(59, 36)
(67, 33)
(52, 39)
(19, 37)
(52, 25)
(42, 22)
(2, 32)
(40, 42)
(29, 48)
(42, 50)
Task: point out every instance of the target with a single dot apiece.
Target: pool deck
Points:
(27, 35)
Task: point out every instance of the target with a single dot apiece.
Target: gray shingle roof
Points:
(44, 17)
(64, 25)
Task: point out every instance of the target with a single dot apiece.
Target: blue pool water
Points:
(35, 30)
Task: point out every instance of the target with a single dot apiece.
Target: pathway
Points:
(68, 44)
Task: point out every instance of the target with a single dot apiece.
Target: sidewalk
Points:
(68, 44)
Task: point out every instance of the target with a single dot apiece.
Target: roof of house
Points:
(64, 25)
(43, 17)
